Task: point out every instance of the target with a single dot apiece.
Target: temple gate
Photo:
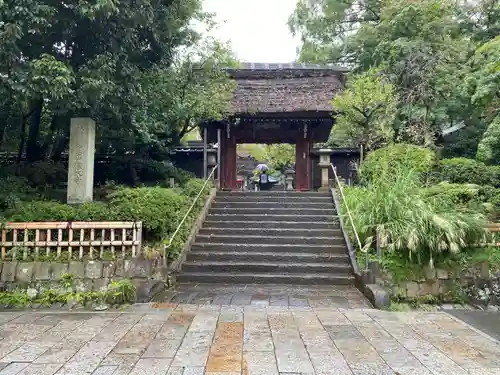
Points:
(276, 103)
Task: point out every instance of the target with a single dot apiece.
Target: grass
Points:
(416, 227)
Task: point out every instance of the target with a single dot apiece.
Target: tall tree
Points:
(326, 28)
(194, 88)
(365, 112)
(420, 47)
(84, 58)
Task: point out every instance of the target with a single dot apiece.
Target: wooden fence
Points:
(77, 240)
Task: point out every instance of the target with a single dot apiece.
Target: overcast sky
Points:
(257, 29)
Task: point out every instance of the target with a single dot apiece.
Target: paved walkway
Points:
(338, 296)
(169, 339)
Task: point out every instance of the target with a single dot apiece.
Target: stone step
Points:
(232, 217)
(259, 198)
(265, 278)
(291, 194)
(263, 205)
(271, 231)
(257, 239)
(272, 211)
(269, 224)
(244, 248)
(267, 256)
(265, 267)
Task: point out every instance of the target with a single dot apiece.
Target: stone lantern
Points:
(289, 173)
(324, 164)
(211, 159)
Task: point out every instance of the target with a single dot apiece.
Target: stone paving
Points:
(171, 339)
(336, 296)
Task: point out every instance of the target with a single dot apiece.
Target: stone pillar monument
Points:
(324, 163)
(81, 160)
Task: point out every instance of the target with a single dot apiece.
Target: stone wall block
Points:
(108, 269)
(42, 271)
(470, 273)
(442, 288)
(121, 267)
(399, 290)
(147, 289)
(11, 286)
(484, 270)
(93, 269)
(429, 288)
(429, 273)
(412, 289)
(442, 274)
(24, 273)
(9, 271)
(159, 273)
(139, 269)
(100, 284)
(77, 269)
(58, 270)
(454, 273)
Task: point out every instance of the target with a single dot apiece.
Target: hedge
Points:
(467, 171)
(388, 162)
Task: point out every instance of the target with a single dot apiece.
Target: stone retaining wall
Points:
(441, 282)
(148, 275)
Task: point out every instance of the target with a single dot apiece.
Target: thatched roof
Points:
(271, 88)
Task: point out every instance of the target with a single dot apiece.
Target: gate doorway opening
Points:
(301, 130)
(276, 161)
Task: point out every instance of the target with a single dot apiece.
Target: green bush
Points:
(461, 193)
(41, 211)
(45, 173)
(95, 211)
(495, 202)
(465, 171)
(159, 209)
(419, 227)
(123, 171)
(14, 190)
(193, 187)
(153, 171)
(388, 162)
(495, 171)
(38, 174)
(475, 197)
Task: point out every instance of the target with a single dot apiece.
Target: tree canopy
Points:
(440, 56)
(365, 112)
(137, 67)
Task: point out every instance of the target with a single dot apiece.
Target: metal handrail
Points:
(349, 212)
(167, 246)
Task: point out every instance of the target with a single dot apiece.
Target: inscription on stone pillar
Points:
(81, 160)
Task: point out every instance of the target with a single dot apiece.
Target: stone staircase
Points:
(269, 238)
